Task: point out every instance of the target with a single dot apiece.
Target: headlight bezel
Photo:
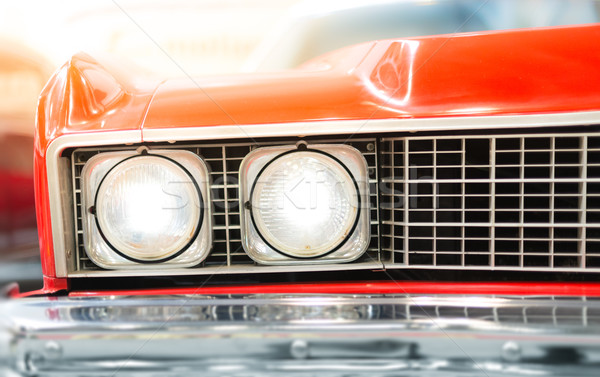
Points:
(97, 246)
(106, 237)
(357, 239)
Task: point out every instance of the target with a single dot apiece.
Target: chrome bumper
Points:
(270, 335)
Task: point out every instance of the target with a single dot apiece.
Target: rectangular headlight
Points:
(304, 204)
(144, 209)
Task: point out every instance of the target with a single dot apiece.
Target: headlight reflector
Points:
(148, 208)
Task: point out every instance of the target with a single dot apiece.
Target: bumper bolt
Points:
(299, 349)
(53, 350)
(511, 352)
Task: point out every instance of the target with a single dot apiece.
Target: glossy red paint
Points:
(399, 287)
(51, 286)
(42, 204)
(81, 97)
(515, 72)
(529, 71)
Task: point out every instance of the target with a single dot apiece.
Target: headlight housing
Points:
(146, 208)
(305, 205)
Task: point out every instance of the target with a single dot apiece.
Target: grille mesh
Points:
(518, 202)
(506, 202)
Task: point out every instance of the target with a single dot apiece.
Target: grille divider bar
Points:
(405, 199)
(492, 205)
(226, 204)
(521, 201)
(552, 192)
(434, 203)
(583, 205)
(463, 159)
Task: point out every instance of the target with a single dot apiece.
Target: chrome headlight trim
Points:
(106, 237)
(99, 247)
(353, 244)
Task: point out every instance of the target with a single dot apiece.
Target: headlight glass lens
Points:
(304, 204)
(148, 208)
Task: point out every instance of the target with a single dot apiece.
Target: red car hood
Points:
(524, 71)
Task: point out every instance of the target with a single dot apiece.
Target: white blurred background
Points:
(203, 36)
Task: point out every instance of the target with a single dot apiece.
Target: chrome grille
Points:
(224, 163)
(527, 202)
(519, 202)
(227, 255)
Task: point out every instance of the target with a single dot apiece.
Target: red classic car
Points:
(419, 206)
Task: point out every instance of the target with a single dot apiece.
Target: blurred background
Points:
(174, 38)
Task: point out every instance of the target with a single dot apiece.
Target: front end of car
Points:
(394, 208)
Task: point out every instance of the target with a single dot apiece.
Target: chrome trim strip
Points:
(56, 193)
(458, 335)
(298, 129)
(341, 127)
(223, 270)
